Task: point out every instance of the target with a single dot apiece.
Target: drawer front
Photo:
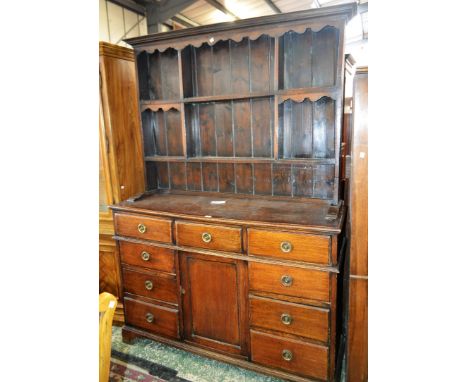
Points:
(209, 236)
(292, 355)
(290, 246)
(290, 281)
(143, 227)
(159, 286)
(154, 318)
(161, 259)
(300, 320)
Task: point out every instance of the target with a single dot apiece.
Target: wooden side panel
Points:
(215, 306)
(122, 126)
(357, 331)
(359, 181)
(109, 275)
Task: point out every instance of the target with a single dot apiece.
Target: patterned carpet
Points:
(149, 361)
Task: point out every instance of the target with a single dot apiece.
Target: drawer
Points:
(290, 281)
(161, 259)
(143, 227)
(299, 357)
(300, 320)
(154, 318)
(290, 246)
(160, 286)
(209, 236)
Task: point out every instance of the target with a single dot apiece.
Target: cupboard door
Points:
(215, 302)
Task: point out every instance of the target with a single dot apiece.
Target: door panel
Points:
(215, 302)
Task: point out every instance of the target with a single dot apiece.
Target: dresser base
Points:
(129, 334)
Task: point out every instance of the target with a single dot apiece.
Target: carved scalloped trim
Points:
(156, 108)
(299, 98)
(236, 36)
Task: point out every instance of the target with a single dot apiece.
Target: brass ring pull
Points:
(145, 256)
(286, 246)
(286, 280)
(149, 317)
(287, 355)
(148, 285)
(141, 228)
(286, 319)
(206, 237)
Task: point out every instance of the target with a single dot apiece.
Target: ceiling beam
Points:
(185, 21)
(273, 6)
(222, 8)
(159, 12)
(131, 6)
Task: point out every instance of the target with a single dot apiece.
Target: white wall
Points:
(117, 23)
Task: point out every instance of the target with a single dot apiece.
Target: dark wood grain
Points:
(164, 287)
(357, 351)
(244, 178)
(160, 259)
(222, 238)
(242, 128)
(223, 292)
(309, 248)
(306, 321)
(243, 143)
(263, 178)
(155, 229)
(309, 284)
(240, 66)
(308, 359)
(165, 320)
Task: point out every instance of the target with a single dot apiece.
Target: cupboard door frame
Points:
(243, 347)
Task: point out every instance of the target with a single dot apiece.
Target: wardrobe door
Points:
(215, 302)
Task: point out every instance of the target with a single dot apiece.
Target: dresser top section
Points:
(313, 215)
(342, 12)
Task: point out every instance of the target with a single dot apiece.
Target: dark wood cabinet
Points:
(235, 249)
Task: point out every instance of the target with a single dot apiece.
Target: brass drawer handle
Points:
(149, 317)
(141, 228)
(148, 285)
(286, 280)
(286, 246)
(286, 319)
(206, 237)
(287, 355)
(145, 256)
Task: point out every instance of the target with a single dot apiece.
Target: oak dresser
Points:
(235, 250)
